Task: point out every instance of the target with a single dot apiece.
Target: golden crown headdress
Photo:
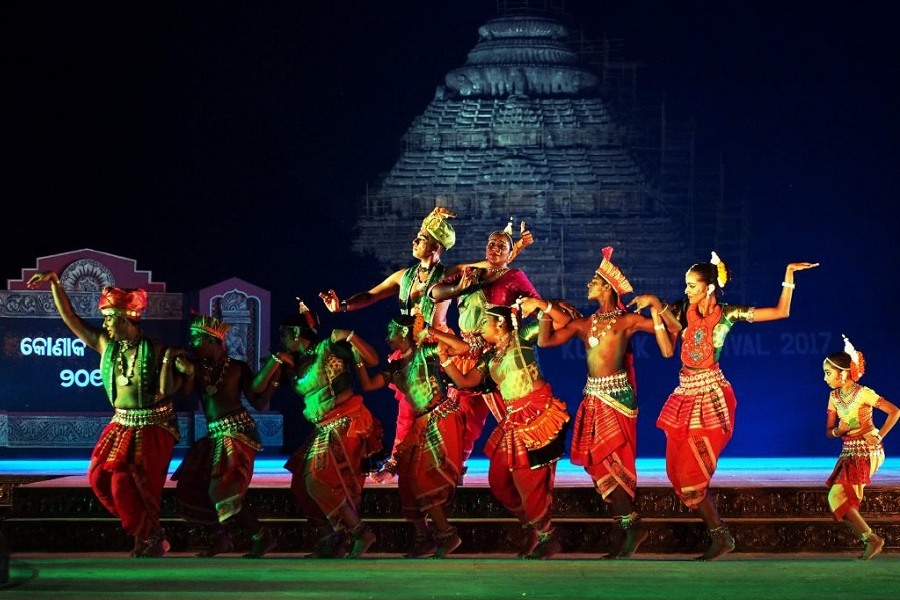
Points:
(217, 328)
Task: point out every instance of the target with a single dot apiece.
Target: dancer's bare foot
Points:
(424, 546)
(221, 543)
(532, 538)
(548, 546)
(722, 543)
(363, 538)
(633, 539)
(447, 541)
(874, 544)
(263, 542)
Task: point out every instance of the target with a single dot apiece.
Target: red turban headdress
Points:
(116, 301)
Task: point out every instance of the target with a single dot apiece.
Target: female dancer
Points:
(530, 435)
(327, 474)
(475, 287)
(428, 456)
(698, 417)
(849, 417)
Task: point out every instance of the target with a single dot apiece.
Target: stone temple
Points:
(534, 127)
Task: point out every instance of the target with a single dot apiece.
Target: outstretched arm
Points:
(95, 337)
(387, 288)
(783, 309)
(453, 286)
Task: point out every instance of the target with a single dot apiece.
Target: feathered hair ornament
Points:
(857, 360)
(212, 326)
(516, 246)
(721, 270)
(307, 314)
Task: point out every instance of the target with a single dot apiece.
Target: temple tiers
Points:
(525, 129)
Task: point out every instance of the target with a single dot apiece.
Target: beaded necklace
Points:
(425, 272)
(212, 388)
(845, 401)
(611, 316)
(126, 365)
(500, 352)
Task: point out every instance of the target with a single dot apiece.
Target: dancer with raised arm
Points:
(436, 235)
(429, 456)
(476, 288)
(698, 417)
(130, 462)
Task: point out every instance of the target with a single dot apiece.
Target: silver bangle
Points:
(790, 286)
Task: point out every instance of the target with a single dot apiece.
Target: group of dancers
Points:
(446, 380)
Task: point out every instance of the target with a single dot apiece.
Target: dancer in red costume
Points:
(698, 417)
(849, 417)
(328, 477)
(530, 435)
(130, 461)
(604, 436)
(436, 235)
(215, 474)
(477, 287)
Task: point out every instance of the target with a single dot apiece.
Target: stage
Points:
(63, 547)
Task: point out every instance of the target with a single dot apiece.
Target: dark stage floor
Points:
(183, 577)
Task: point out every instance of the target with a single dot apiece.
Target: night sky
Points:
(233, 139)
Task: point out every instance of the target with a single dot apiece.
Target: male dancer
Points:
(604, 438)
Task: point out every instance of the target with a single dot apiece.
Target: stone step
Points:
(762, 519)
(480, 536)
(476, 502)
